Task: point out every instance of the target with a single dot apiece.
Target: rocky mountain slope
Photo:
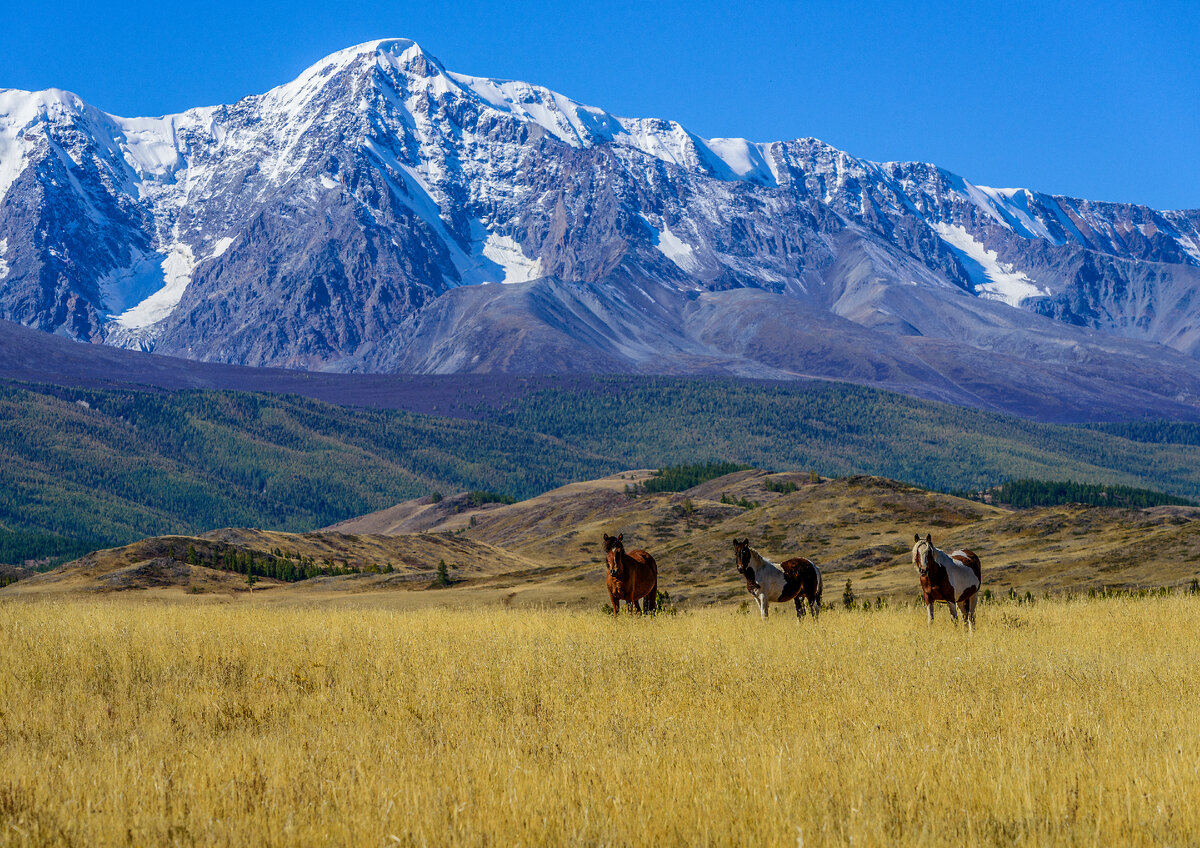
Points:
(381, 213)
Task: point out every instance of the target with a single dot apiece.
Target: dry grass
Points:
(247, 724)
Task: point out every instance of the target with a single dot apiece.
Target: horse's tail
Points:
(820, 582)
(650, 601)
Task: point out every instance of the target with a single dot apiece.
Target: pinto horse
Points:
(792, 580)
(950, 578)
(631, 576)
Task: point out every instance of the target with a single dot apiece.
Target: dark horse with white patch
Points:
(796, 579)
(632, 576)
(953, 579)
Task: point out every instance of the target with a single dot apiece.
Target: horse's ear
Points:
(606, 537)
(916, 537)
(621, 537)
(929, 538)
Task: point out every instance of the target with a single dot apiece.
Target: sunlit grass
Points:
(237, 724)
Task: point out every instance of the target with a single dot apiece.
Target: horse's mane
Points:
(762, 560)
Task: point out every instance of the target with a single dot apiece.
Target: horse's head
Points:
(922, 553)
(614, 552)
(742, 554)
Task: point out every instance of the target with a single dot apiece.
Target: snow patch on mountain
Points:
(150, 144)
(570, 122)
(174, 273)
(1191, 246)
(515, 265)
(3, 263)
(673, 247)
(1013, 206)
(993, 279)
(746, 160)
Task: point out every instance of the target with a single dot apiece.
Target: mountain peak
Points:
(401, 53)
(397, 50)
(391, 55)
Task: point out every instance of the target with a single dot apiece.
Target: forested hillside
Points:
(839, 429)
(110, 467)
(84, 468)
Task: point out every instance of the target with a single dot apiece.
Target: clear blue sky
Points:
(1099, 99)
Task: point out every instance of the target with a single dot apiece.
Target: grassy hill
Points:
(81, 469)
(546, 550)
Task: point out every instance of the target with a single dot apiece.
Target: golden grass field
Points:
(126, 722)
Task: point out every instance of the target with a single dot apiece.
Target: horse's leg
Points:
(953, 611)
(929, 609)
(799, 608)
(816, 606)
(616, 603)
(762, 604)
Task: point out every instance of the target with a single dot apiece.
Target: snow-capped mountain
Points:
(381, 213)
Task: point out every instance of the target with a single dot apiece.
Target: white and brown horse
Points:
(631, 576)
(952, 578)
(796, 579)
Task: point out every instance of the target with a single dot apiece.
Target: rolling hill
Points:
(546, 550)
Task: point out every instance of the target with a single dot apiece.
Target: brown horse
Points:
(631, 576)
(952, 578)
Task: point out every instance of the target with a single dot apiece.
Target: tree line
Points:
(1024, 494)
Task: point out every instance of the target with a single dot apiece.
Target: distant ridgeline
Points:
(87, 468)
(1033, 493)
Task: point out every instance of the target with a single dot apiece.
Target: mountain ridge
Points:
(334, 223)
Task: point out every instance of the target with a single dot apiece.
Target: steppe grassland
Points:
(124, 722)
